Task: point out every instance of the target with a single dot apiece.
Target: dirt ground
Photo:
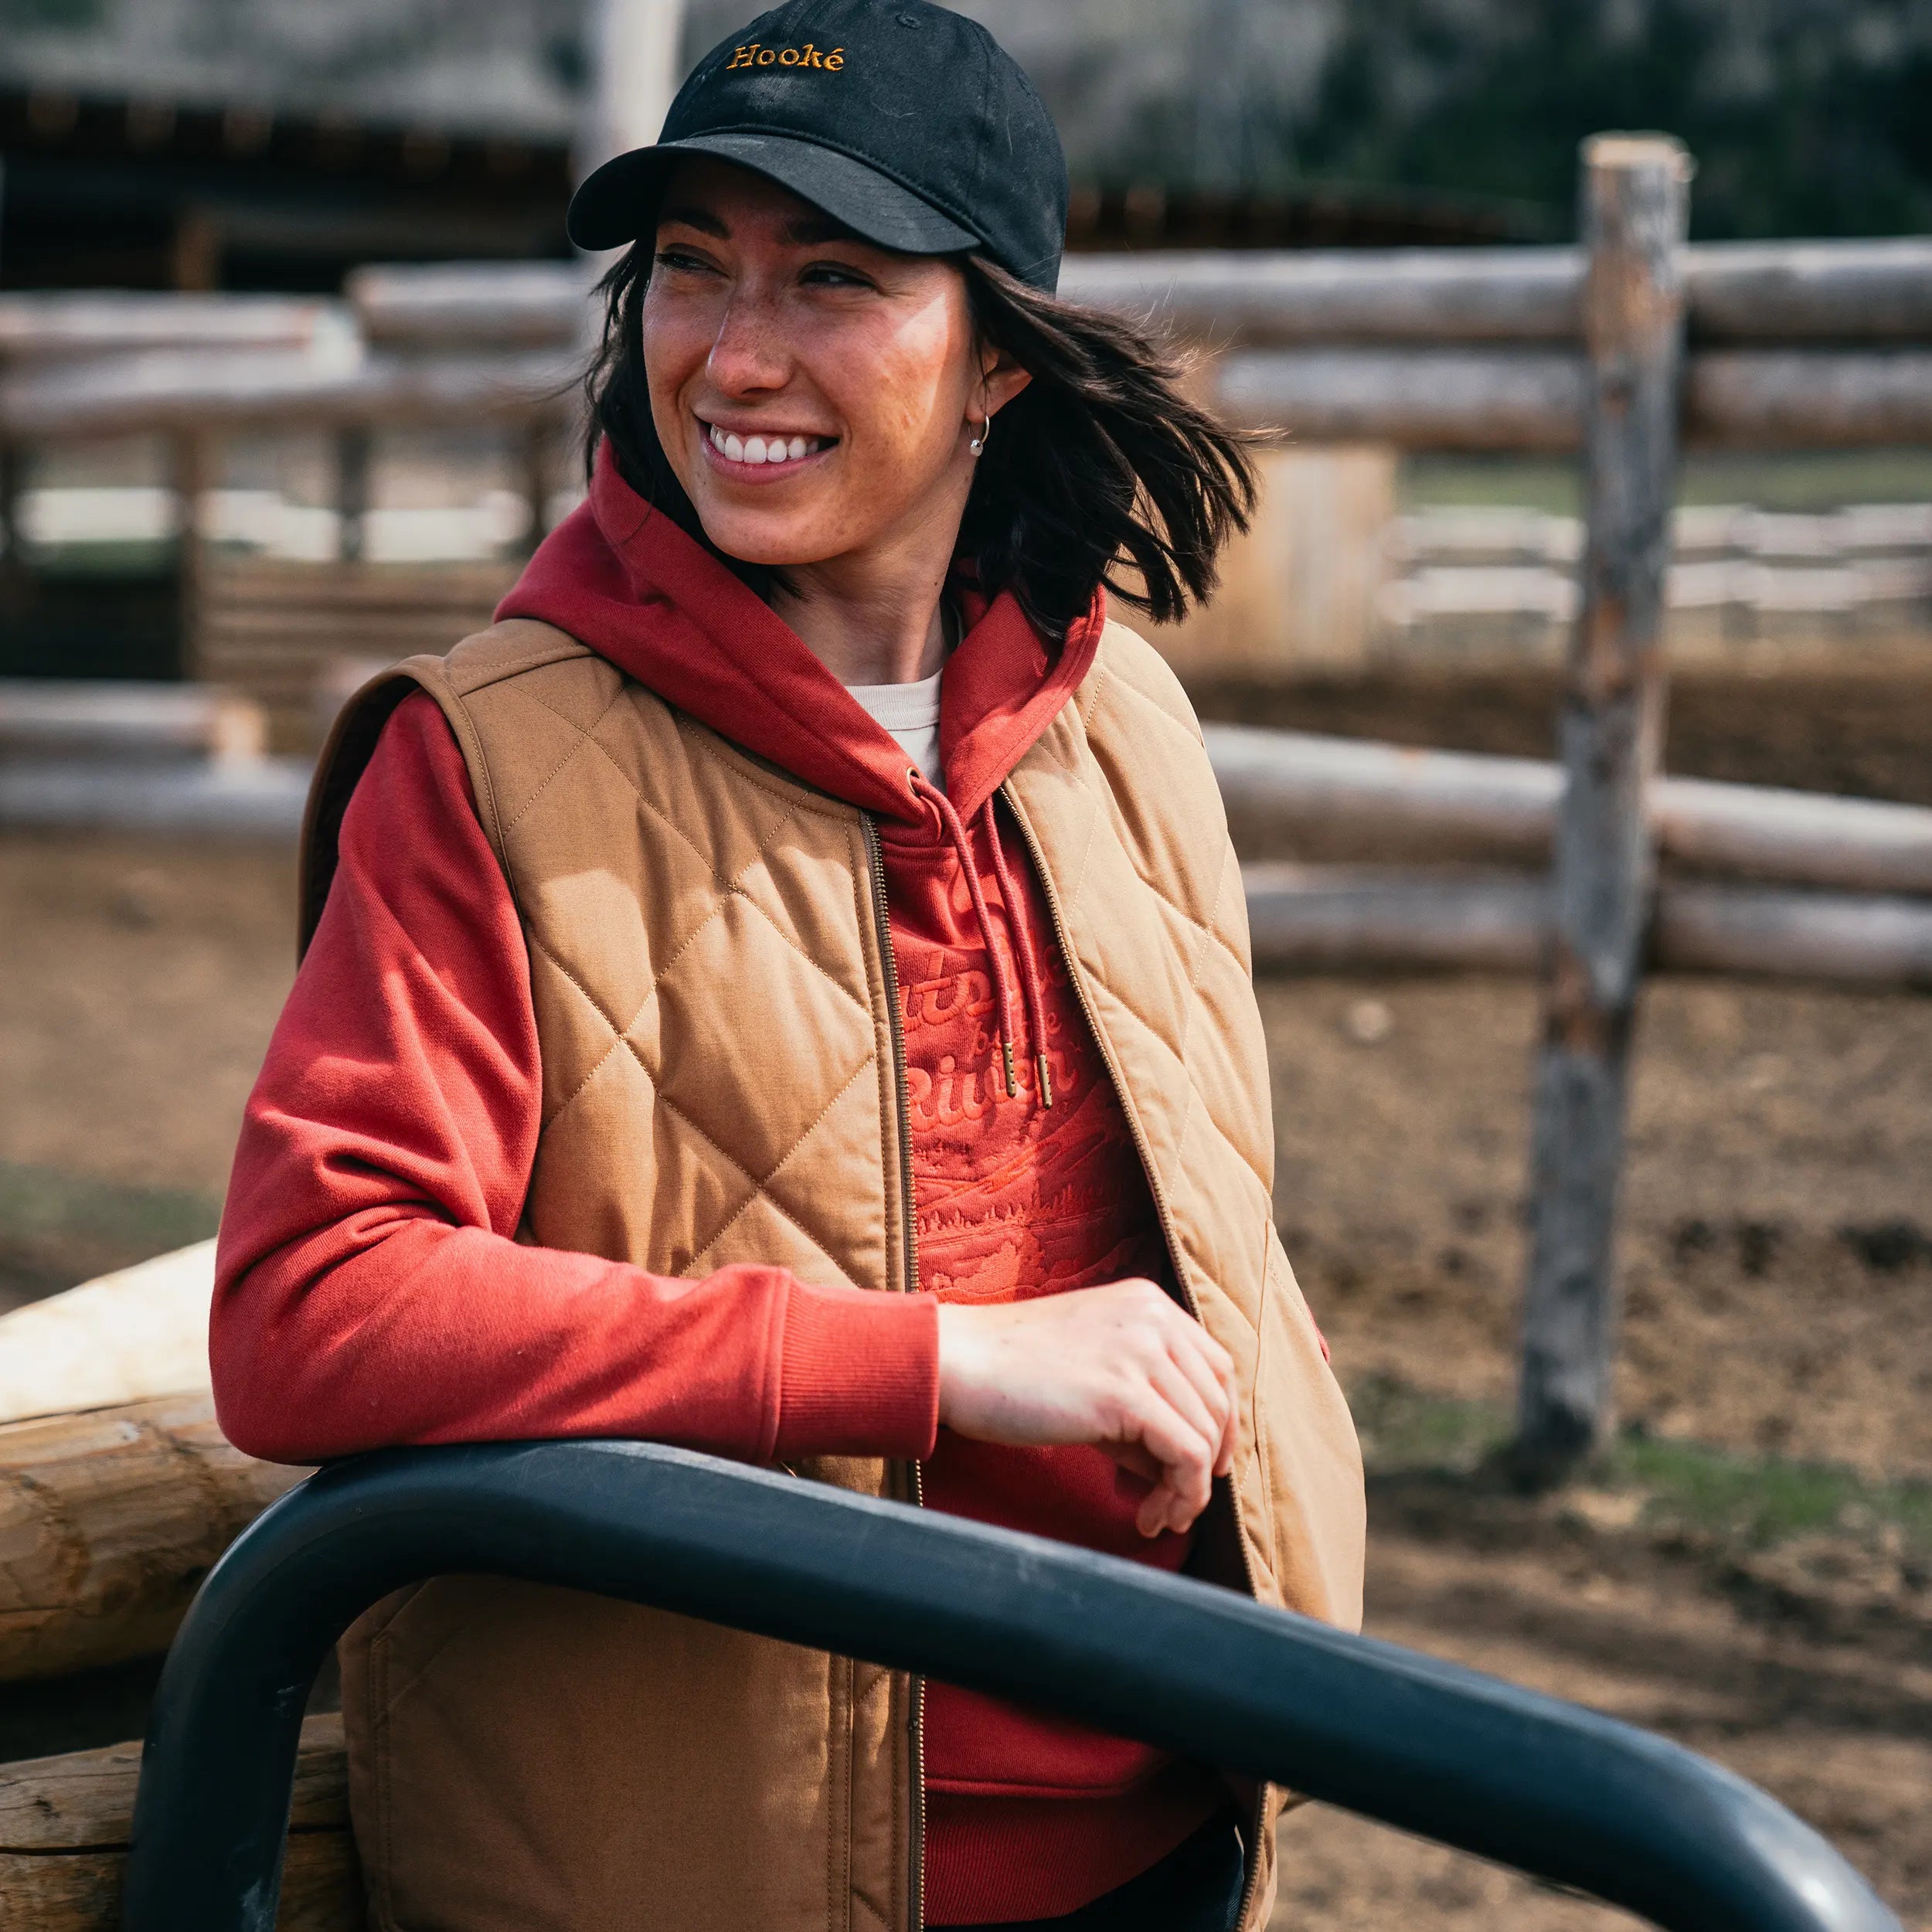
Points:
(1777, 1251)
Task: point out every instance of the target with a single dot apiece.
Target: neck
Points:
(871, 619)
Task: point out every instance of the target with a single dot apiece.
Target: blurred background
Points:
(287, 321)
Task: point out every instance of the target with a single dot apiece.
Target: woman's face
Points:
(813, 393)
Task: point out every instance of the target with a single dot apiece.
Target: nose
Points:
(748, 353)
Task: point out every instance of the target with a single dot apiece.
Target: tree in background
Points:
(1806, 116)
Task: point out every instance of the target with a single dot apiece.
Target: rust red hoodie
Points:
(370, 1289)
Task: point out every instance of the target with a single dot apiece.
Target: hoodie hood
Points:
(621, 576)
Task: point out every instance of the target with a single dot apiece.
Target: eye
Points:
(835, 275)
(674, 257)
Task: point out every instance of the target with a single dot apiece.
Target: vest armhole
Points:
(345, 756)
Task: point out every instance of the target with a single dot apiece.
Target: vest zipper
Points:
(1164, 1215)
(916, 1712)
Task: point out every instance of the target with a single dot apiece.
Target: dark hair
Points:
(1101, 470)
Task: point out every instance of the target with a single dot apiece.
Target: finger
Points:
(1211, 1369)
(1186, 1455)
(1135, 1460)
(1193, 1395)
(1161, 1510)
(1215, 1389)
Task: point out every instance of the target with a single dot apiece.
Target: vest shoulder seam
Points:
(509, 650)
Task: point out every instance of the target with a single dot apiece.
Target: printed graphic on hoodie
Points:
(1015, 1199)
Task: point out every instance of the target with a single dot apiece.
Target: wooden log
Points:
(53, 325)
(255, 798)
(1841, 291)
(1411, 295)
(131, 1336)
(130, 719)
(1357, 918)
(1799, 837)
(1388, 919)
(1531, 400)
(1834, 937)
(1737, 292)
(108, 1521)
(1296, 779)
(452, 305)
(354, 451)
(66, 1822)
(1506, 808)
(1528, 400)
(1635, 204)
(167, 390)
(1798, 398)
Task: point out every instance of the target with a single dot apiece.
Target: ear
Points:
(1001, 379)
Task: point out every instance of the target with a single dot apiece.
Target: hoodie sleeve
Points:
(369, 1289)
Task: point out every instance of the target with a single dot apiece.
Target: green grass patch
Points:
(1799, 481)
(1742, 1501)
(53, 1223)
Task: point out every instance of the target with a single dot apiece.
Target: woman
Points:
(783, 990)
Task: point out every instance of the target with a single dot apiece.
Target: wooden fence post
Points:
(353, 449)
(1635, 200)
(191, 455)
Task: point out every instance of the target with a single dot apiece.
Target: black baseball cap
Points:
(907, 122)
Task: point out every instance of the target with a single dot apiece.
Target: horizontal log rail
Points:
(108, 1520)
(1355, 918)
(1472, 399)
(200, 391)
(1863, 291)
(45, 325)
(1825, 291)
(1506, 808)
(1530, 400)
(65, 1822)
(1425, 1746)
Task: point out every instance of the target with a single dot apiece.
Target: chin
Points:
(770, 541)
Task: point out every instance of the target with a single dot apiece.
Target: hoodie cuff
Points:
(859, 1374)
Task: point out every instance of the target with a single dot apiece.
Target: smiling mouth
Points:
(764, 451)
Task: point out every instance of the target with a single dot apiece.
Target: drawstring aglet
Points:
(1046, 1081)
(1012, 1080)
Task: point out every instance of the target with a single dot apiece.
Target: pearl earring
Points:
(979, 442)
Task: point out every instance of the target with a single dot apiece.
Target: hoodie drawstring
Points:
(1022, 940)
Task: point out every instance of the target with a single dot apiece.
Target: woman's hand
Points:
(1120, 1366)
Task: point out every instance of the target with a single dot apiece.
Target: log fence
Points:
(1622, 349)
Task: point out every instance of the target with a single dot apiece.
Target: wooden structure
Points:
(299, 637)
(1635, 213)
(64, 1824)
(108, 1520)
(1622, 349)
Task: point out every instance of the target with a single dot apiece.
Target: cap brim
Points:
(618, 202)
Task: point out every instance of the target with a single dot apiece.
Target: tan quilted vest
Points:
(711, 972)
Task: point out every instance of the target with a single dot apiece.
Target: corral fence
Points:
(1623, 350)
(1574, 1797)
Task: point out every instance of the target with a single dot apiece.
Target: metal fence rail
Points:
(1543, 1786)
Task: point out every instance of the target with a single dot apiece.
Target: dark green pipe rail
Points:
(1467, 1760)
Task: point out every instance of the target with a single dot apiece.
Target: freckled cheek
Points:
(675, 349)
(899, 399)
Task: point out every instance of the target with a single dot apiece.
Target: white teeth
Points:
(759, 449)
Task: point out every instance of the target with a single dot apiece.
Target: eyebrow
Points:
(701, 218)
(809, 230)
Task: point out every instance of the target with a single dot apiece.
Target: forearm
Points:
(387, 1327)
